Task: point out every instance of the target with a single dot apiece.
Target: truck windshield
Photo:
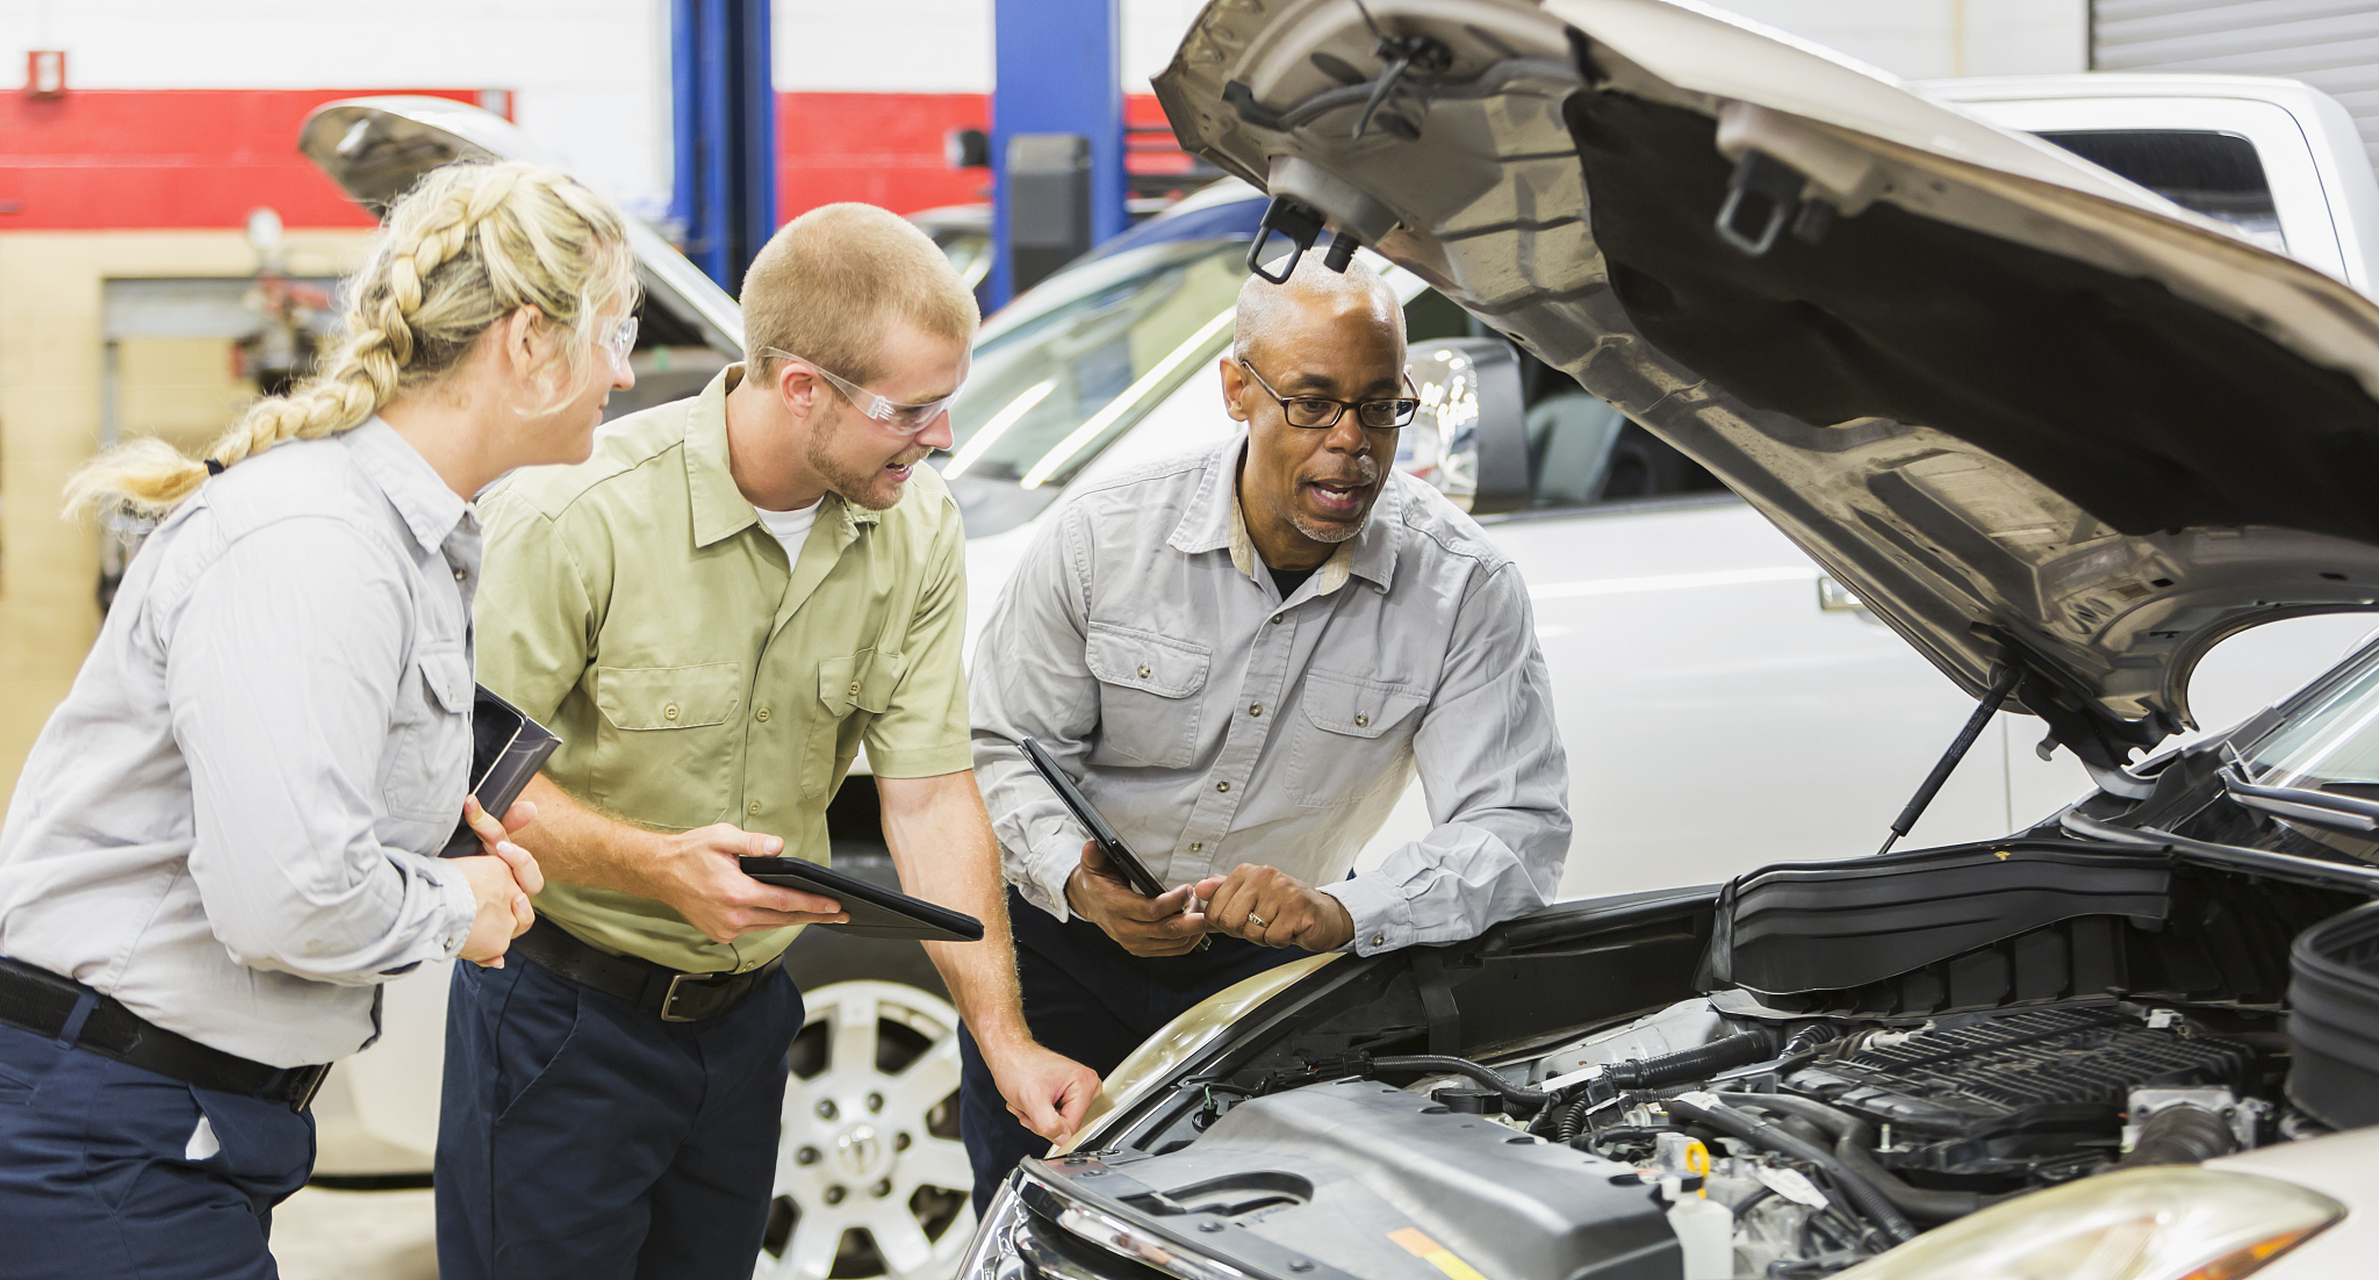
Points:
(1077, 363)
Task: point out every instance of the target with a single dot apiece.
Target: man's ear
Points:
(1234, 389)
(796, 388)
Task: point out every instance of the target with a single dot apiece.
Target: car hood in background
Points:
(377, 148)
(2035, 416)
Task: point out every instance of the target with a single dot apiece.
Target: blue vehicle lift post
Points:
(1056, 77)
(723, 113)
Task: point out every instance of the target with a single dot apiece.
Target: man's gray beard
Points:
(1332, 533)
(854, 484)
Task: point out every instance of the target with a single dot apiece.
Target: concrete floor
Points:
(356, 1235)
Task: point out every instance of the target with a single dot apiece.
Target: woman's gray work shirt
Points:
(229, 823)
(1213, 722)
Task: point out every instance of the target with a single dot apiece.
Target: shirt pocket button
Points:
(669, 712)
(1144, 673)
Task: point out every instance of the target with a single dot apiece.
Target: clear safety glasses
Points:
(618, 341)
(908, 419)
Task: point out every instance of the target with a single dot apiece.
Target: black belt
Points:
(675, 996)
(47, 1005)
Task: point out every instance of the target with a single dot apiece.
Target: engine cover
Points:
(2017, 1093)
(1355, 1171)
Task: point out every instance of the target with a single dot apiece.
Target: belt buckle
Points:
(308, 1082)
(704, 993)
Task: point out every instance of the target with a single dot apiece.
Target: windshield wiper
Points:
(2289, 865)
(2302, 804)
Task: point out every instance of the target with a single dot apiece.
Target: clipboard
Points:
(1135, 872)
(876, 912)
(507, 749)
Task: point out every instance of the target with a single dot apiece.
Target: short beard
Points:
(1333, 533)
(855, 485)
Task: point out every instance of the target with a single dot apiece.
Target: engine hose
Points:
(1698, 1063)
(1572, 1121)
(1486, 1076)
(1854, 1145)
(1742, 1124)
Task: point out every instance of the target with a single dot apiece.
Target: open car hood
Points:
(377, 148)
(2039, 419)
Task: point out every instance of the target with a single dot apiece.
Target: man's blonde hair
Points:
(831, 283)
(464, 249)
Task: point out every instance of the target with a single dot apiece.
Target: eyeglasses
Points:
(1318, 412)
(908, 419)
(619, 342)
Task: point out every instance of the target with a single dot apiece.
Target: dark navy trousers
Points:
(582, 1137)
(106, 1171)
(1091, 1000)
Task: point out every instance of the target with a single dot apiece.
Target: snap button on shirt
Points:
(761, 715)
(669, 712)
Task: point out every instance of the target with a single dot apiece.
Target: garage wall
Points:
(2332, 45)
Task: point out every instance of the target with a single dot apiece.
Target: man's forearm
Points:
(580, 845)
(940, 836)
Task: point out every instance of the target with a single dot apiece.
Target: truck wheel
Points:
(871, 1180)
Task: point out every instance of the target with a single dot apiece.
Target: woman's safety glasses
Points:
(1317, 412)
(908, 419)
(618, 341)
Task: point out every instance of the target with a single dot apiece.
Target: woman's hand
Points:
(501, 882)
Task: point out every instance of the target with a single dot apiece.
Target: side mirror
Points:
(1470, 438)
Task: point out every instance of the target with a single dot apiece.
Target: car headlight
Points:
(2168, 1223)
(1160, 1055)
(993, 1254)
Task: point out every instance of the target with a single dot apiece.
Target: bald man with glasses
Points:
(1242, 657)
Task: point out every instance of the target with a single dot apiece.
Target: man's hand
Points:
(501, 882)
(697, 875)
(1159, 926)
(1272, 908)
(1046, 1091)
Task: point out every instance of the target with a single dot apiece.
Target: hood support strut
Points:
(2002, 684)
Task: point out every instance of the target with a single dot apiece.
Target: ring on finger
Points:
(1256, 920)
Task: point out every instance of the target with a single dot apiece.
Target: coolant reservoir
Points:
(1705, 1231)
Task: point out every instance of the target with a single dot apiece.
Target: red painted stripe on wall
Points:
(167, 158)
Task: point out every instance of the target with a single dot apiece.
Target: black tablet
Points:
(507, 749)
(1119, 855)
(875, 912)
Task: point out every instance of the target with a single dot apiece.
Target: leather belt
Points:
(61, 1008)
(656, 989)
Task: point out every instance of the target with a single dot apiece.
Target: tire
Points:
(871, 1180)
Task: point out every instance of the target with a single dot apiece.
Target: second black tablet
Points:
(875, 912)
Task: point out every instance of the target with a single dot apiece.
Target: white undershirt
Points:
(790, 528)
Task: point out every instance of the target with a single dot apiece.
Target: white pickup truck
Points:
(1711, 682)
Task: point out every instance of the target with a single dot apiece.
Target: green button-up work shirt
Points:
(635, 605)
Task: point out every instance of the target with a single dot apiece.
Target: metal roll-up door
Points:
(2332, 45)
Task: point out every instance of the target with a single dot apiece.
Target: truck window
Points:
(2216, 174)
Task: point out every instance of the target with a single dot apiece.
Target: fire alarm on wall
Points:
(45, 73)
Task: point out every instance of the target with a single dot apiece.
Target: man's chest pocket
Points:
(429, 751)
(1149, 687)
(670, 749)
(1352, 738)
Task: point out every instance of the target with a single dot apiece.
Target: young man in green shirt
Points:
(714, 613)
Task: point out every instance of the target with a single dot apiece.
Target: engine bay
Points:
(2121, 1012)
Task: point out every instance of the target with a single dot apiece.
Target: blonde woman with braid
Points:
(224, 839)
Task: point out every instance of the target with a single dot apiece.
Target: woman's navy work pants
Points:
(108, 1170)
(1091, 1000)
(582, 1137)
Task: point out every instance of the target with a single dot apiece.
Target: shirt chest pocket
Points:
(1353, 737)
(671, 740)
(1149, 687)
(429, 750)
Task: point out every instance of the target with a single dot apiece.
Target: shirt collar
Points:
(720, 510)
(1214, 522)
(431, 511)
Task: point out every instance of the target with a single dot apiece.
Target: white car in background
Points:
(1725, 704)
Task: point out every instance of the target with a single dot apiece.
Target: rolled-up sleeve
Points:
(1031, 680)
(1492, 769)
(282, 671)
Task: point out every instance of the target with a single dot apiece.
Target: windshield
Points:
(2330, 745)
(2216, 174)
(1077, 363)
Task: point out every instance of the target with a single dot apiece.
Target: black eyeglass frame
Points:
(1406, 406)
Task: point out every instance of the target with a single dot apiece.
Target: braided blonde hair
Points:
(471, 244)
